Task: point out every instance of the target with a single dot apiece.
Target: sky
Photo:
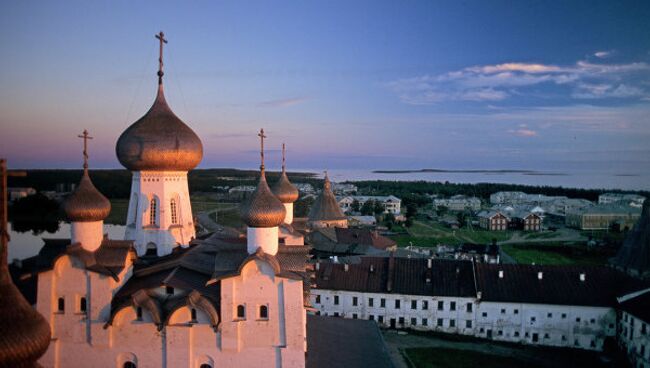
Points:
(345, 84)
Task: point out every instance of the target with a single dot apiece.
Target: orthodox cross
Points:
(160, 36)
(85, 137)
(4, 232)
(283, 159)
(262, 136)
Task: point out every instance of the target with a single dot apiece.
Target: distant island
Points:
(482, 171)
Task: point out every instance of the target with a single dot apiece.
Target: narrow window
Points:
(425, 322)
(468, 324)
(355, 301)
(129, 365)
(264, 312)
(371, 317)
(452, 323)
(193, 315)
(61, 305)
(380, 319)
(425, 305)
(241, 312)
(382, 303)
(152, 212)
(516, 311)
(371, 302)
(413, 321)
(414, 304)
(439, 322)
(397, 304)
(441, 305)
(82, 304)
(172, 207)
(469, 307)
(452, 306)
(354, 316)
(138, 313)
(401, 321)
(336, 300)
(317, 299)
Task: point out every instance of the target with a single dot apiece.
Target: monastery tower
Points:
(263, 213)
(325, 212)
(159, 149)
(86, 208)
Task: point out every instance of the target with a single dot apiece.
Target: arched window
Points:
(83, 304)
(241, 311)
(138, 313)
(152, 250)
(61, 305)
(174, 212)
(129, 365)
(264, 312)
(152, 211)
(205, 365)
(193, 315)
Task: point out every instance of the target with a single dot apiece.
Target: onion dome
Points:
(283, 189)
(86, 203)
(262, 209)
(326, 207)
(159, 141)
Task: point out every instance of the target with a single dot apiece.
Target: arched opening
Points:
(61, 305)
(241, 311)
(205, 365)
(153, 206)
(83, 305)
(129, 365)
(264, 312)
(151, 250)
(138, 313)
(193, 315)
(173, 210)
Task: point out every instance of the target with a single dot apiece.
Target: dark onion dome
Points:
(86, 203)
(262, 209)
(284, 190)
(326, 207)
(159, 141)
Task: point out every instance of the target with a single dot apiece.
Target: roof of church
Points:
(86, 203)
(560, 285)
(339, 342)
(399, 276)
(284, 190)
(634, 255)
(638, 306)
(348, 240)
(326, 207)
(159, 141)
(262, 208)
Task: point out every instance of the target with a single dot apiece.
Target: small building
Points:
(634, 329)
(631, 199)
(481, 253)
(390, 203)
(458, 203)
(603, 217)
(337, 241)
(526, 221)
(493, 220)
(362, 221)
(19, 192)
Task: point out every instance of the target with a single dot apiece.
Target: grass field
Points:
(456, 358)
(555, 254)
(430, 234)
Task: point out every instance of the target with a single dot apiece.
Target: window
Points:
(469, 307)
(138, 313)
(380, 319)
(371, 302)
(441, 305)
(516, 333)
(129, 365)
(264, 312)
(452, 306)
(546, 336)
(425, 305)
(354, 316)
(500, 332)
(336, 314)
(192, 315)
(593, 320)
(83, 305)
(382, 303)
(414, 304)
(549, 315)
(533, 319)
(317, 299)
(169, 290)
(174, 213)
(397, 304)
(355, 301)
(484, 314)
(425, 322)
(516, 311)
(503, 311)
(578, 319)
(452, 323)
(482, 330)
(563, 337)
(152, 211)
(371, 317)
(439, 322)
(401, 321)
(413, 321)
(241, 312)
(205, 365)
(563, 315)
(468, 324)
(61, 305)
(336, 300)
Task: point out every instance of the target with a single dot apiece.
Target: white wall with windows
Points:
(634, 337)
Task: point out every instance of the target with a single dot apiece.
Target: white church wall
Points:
(634, 337)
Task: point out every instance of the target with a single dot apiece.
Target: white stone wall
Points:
(164, 234)
(541, 324)
(634, 337)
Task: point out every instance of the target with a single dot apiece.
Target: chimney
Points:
(539, 275)
(429, 263)
(346, 267)
(500, 274)
(479, 295)
(583, 276)
(336, 259)
(317, 265)
(372, 268)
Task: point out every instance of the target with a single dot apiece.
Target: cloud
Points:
(582, 80)
(285, 102)
(603, 54)
(523, 132)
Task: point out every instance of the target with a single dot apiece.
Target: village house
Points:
(493, 220)
(390, 203)
(458, 203)
(630, 199)
(603, 217)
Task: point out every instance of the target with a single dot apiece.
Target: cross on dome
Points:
(85, 137)
(161, 37)
(262, 136)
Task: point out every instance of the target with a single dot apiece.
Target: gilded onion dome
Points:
(262, 209)
(159, 141)
(325, 207)
(86, 203)
(283, 189)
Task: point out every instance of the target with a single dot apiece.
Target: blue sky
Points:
(349, 84)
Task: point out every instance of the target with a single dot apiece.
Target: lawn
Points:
(457, 358)
(555, 254)
(430, 234)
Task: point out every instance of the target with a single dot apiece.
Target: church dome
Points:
(262, 209)
(86, 203)
(159, 141)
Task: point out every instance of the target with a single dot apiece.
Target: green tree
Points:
(355, 206)
(411, 211)
(378, 208)
(442, 210)
(367, 208)
(302, 206)
(389, 220)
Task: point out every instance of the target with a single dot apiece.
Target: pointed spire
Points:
(283, 159)
(283, 189)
